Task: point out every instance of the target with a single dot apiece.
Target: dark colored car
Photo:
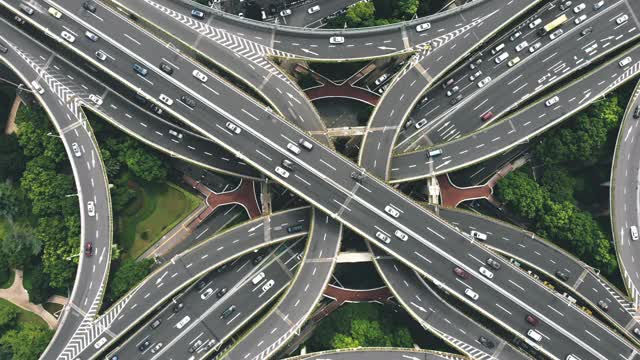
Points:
(156, 323)
(144, 345)
(257, 259)
(177, 307)
(222, 268)
(166, 68)
(494, 264)
(201, 284)
(636, 112)
(603, 305)
(221, 293)
(586, 31)
(187, 100)
(89, 6)
(88, 249)
(455, 99)
(294, 228)
(486, 342)
(3, 49)
(562, 276)
(532, 320)
(461, 273)
(155, 108)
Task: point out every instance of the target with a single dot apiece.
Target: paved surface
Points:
(625, 207)
(18, 295)
(451, 195)
(378, 354)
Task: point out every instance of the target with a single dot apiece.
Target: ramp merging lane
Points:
(337, 197)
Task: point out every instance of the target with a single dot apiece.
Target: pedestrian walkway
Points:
(18, 295)
(10, 128)
(243, 195)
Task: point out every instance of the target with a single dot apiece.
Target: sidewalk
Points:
(10, 128)
(17, 295)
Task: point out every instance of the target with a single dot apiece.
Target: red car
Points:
(461, 273)
(486, 116)
(532, 320)
(88, 249)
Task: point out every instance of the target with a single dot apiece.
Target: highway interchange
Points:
(322, 177)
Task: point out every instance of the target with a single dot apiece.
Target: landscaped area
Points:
(155, 210)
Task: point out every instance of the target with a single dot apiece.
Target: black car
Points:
(166, 68)
(177, 307)
(256, 260)
(144, 345)
(636, 112)
(221, 293)
(562, 276)
(155, 108)
(187, 100)
(89, 6)
(486, 342)
(201, 284)
(222, 268)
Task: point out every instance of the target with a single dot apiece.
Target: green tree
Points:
(522, 193)
(360, 14)
(40, 289)
(28, 342)
(129, 274)
(47, 189)
(60, 250)
(559, 183)
(121, 194)
(20, 245)
(10, 202)
(12, 159)
(33, 127)
(342, 341)
(405, 8)
(112, 163)
(145, 164)
(8, 316)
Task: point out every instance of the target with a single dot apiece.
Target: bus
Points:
(553, 25)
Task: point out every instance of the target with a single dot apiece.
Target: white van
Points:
(478, 235)
(434, 152)
(497, 49)
(534, 335)
(502, 57)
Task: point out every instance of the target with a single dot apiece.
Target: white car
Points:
(96, 99)
(478, 235)
(622, 19)
(591, 48)
(36, 87)
(258, 278)
(76, 149)
(165, 99)
(91, 208)
(521, 46)
(551, 101)
(200, 76)
(205, 294)
(55, 13)
(70, 38)
(313, 9)
(392, 211)
(484, 271)
(383, 237)
(101, 55)
(381, 79)
(294, 148)
(472, 294)
(484, 81)
(535, 47)
(535, 23)
(268, 285)
(580, 19)
(420, 124)
(423, 27)
(400, 235)
(233, 127)
(475, 76)
(305, 144)
(282, 172)
(624, 62)
(183, 322)
(579, 8)
(102, 340)
(336, 40)
(634, 232)
(554, 35)
(285, 12)
(534, 335)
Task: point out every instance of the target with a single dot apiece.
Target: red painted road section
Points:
(244, 195)
(451, 195)
(342, 295)
(346, 89)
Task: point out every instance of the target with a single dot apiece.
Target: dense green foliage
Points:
(40, 290)
(12, 160)
(363, 325)
(128, 274)
(26, 342)
(377, 12)
(575, 161)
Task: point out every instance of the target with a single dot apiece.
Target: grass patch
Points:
(25, 316)
(156, 209)
(7, 284)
